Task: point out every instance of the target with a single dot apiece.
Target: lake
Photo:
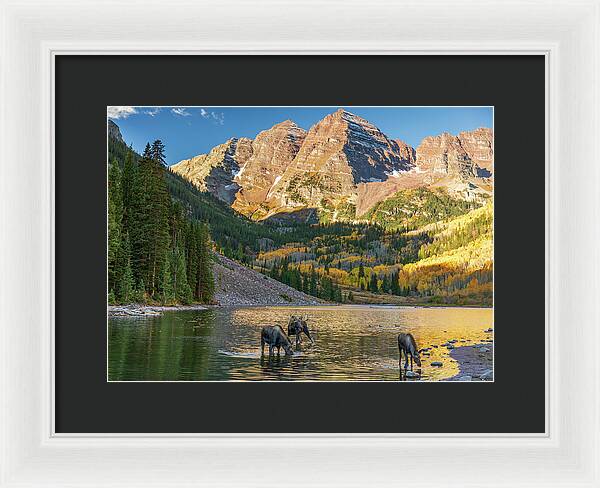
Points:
(352, 343)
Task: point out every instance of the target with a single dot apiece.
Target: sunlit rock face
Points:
(407, 152)
(342, 162)
(339, 152)
(273, 151)
(479, 145)
(114, 131)
(463, 164)
(470, 154)
(444, 154)
(216, 171)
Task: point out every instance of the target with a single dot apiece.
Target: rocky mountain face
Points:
(479, 146)
(343, 161)
(271, 153)
(216, 171)
(114, 131)
(467, 155)
(338, 152)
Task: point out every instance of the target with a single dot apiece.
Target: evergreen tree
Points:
(157, 152)
(373, 283)
(115, 215)
(180, 285)
(168, 294)
(125, 281)
(149, 221)
(338, 297)
(385, 284)
(395, 285)
(313, 282)
(205, 287)
(128, 185)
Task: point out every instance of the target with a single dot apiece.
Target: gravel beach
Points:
(475, 363)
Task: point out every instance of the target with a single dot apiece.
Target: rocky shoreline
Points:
(475, 363)
(139, 310)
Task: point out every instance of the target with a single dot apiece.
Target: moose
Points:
(297, 326)
(275, 337)
(408, 345)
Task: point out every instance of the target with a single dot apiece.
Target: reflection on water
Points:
(352, 343)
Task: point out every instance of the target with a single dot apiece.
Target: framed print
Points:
(335, 246)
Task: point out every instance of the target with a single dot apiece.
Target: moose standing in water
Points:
(406, 343)
(275, 337)
(297, 326)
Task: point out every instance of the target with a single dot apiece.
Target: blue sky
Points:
(189, 131)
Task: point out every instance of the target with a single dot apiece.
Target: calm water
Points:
(352, 343)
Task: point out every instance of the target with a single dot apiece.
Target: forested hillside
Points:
(410, 209)
(156, 253)
(446, 262)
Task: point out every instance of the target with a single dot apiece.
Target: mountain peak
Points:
(287, 167)
(467, 155)
(343, 114)
(288, 126)
(286, 123)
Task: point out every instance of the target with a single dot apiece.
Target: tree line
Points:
(312, 283)
(156, 253)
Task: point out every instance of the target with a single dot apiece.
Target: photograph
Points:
(289, 245)
(300, 243)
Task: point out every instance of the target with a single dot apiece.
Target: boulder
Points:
(487, 375)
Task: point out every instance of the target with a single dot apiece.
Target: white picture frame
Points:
(566, 33)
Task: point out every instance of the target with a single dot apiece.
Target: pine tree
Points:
(313, 282)
(180, 285)
(128, 185)
(157, 152)
(385, 284)
(124, 280)
(140, 292)
(306, 284)
(395, 285)
(149, 220)
(373, 283)
(338, 297)
(115, 215)
(192, 256)
(205, 286)
(167, 292)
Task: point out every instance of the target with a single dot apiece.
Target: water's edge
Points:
(134, 309)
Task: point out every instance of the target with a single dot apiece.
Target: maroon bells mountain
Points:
(273, 151)
(343, 161)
